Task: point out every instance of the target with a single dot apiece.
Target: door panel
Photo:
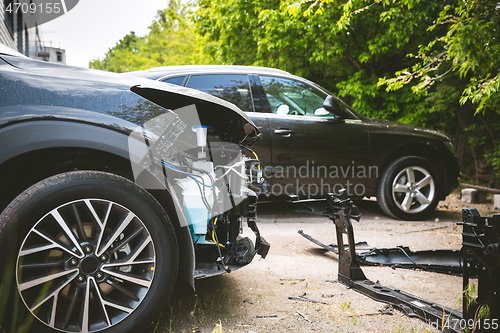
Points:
(263, 147)
(314, 156)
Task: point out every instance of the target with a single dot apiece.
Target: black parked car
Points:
(309, 149)
(110, 189)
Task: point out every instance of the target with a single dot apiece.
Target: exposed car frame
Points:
(95, 171)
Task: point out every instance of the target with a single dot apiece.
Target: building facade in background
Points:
(15, 34)
(52, 54)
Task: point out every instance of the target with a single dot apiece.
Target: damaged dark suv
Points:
(111, 189)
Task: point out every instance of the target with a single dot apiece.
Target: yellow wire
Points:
(256, 157)
(213, 234)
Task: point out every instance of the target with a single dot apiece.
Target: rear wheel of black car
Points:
(408, 188)
(85, 251)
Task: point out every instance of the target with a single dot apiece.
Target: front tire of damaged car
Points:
(408, 188)
(85, 251)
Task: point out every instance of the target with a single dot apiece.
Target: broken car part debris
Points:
(440, 261)
(481, 258)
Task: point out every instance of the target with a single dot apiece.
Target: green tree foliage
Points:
(463, 54)
(172, 40)
(438, 59)
(349, 61)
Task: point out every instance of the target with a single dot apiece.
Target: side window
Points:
(233, 88)
(177, 80)
(292, 97)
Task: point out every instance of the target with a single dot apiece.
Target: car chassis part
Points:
(440, 261)
(481, 238)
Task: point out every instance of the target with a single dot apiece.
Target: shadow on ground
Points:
(199, 311)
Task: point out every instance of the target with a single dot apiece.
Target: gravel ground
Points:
(256, 298)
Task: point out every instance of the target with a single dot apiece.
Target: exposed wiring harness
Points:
(214, 236)
(188, 174)
(200, 181)
(205, 202)
(260, 179)
(216, 240)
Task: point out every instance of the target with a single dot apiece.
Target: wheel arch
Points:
(429, 151)
(36, 150)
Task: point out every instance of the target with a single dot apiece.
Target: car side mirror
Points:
(332, 105)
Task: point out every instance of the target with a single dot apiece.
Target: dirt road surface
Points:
(256, 298)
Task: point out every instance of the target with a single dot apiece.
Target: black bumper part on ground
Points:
(440, 261)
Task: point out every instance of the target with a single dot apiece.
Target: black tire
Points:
(401, 198)
(115, 284)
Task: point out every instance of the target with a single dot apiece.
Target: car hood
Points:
(395, 127)
(31, 82)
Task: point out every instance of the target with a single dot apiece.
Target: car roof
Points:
(158, 72)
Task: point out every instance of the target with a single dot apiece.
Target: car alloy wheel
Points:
(105, 265)
(408, 188)
(413, 189)
(94, 252)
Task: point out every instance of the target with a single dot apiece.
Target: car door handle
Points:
(283, 131)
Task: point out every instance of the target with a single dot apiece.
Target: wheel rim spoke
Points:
(86, 306)
(83, 235)
(400, 188)
(126, 240)
(139, 249)
(36, 282)
(407, 202)
(130, 216)
(422, 198)
(55, 293)
(105, 303)
(52, 321)
(122, 289)
(101, 301)
(74, 296)
(55, 244)
(67, 231)
(42, 265)
(102, 225)
(424, 182)
(128, 263)
(43, 248)
(129, 278)
(411, 175)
